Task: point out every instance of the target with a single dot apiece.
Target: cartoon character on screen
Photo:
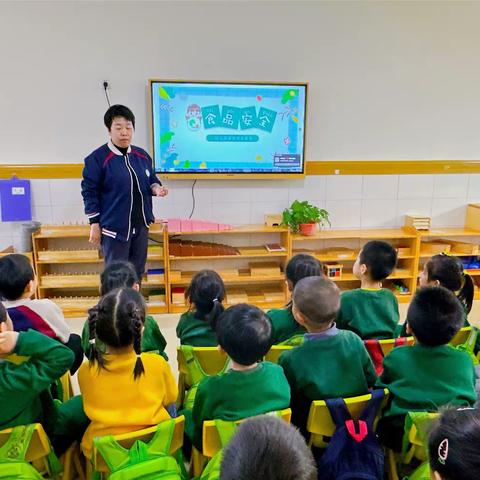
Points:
(193, 117)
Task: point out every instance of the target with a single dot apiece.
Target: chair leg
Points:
(197, 462)
(67, 463)
(392, 465)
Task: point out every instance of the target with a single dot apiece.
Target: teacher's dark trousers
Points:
(134, 251)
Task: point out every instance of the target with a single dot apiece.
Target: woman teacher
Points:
(117, 187)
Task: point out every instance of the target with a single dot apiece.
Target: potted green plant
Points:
(304, 217)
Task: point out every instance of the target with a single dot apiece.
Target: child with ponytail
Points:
(205, 295)
(123, 389)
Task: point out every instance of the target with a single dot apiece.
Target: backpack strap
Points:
(373, 406)
(375, 351)
(195, 370)
(16, 446)
(225, 430)
(338, 411)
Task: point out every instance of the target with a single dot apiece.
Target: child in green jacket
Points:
(371, 311)
(284, 325)
(430, 373)
(447, 271)
(205, 295)
(251, 387)
(24, 387)
(123, 274)
(331, 363)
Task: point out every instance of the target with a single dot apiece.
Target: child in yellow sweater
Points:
(124, 389)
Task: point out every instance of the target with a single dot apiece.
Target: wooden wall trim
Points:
(324, 167)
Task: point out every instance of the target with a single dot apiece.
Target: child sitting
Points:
(446, 271)
(17, 286)
(371, 311)
(123, 274)
(331, 363)
(453, 445)
(123, 390)
(267, 447)
(24, 387)
(430, 373)
(205, 295)
(284, 325)
(251, 387)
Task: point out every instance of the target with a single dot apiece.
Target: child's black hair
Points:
(15, 274)
(117, 321)
(245, 333)
(453, 444)
(380, 258)
(118, 111)
(318, 298)
(3, 313)
(117, 275)
(269, 448)
(300, 266)
(205, 294)
(435, 315)
(449, 273)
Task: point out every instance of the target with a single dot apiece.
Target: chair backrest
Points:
(461, 336)
(127, 440)
(211, 439)
(275, 351)
(64, 387)
(320, 423)
(389, 344)
(211, 359)
(39, 446)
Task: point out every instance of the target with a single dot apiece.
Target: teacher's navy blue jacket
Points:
(107, 188)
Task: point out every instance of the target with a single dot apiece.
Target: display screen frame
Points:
(207, 174)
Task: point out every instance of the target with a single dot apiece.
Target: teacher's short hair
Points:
(118, 111)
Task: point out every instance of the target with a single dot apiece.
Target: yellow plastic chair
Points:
(211, 441)
(65, 387)
(461, 336)
(211, 359)
(389, 344)
(38, 449)
(275, 351)
(126, 440)
(321, 425)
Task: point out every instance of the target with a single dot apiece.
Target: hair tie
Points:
(139, 355)
(215, 300)
(443, 451)
(91, 341)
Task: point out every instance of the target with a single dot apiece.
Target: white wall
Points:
(389, 80)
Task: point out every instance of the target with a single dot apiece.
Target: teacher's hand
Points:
(159, 191)
(95, 235)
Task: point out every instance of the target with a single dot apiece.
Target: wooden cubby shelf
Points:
(68, 268)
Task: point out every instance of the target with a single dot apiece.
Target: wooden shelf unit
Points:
(249, 240)
(63, 252)
(68, 268)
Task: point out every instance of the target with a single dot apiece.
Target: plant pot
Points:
(308, 229)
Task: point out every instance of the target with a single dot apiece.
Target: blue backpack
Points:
(353, 452)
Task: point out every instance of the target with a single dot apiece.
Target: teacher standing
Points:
(117, 188)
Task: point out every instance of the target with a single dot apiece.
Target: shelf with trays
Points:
(68, 267)
(245, 246)
(342, 247)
